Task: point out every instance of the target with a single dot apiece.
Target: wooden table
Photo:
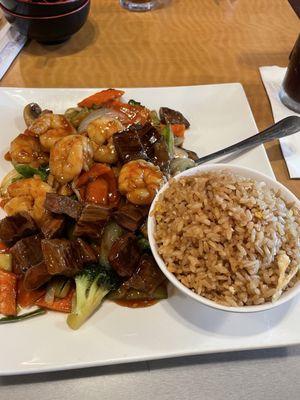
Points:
(187, 42)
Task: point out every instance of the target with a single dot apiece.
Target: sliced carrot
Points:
(27, 298)
(100, 98)
(62, 305)
(88, 178)
(97, 192)
(130, 114)
(94, 173)
(178, 130)
(8, 293)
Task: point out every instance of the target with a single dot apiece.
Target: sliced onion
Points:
(49, 296)
(101, 112)
(178, 165)
(178, 141)
(180, 153)
(8, 179)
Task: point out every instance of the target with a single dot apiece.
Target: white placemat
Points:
(272, 78)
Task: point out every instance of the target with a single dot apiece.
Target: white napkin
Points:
(272, 78)
(11, 42)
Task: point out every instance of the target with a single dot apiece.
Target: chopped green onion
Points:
(18, 318)
(154, 118)
(134, 103)
(169, 137)
(27, 171)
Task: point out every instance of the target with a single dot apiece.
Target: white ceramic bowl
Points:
(242, 171)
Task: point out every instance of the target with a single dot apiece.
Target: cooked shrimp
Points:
(25, 149)
(139, 180)
(100, 131)
(105, 153)
(69, 156)
(49, 138)
(28, 195)
(50, 128)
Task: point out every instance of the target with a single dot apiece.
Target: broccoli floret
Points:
(92, 285)
(143, 243)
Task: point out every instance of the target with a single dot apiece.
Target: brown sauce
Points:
(136, 303)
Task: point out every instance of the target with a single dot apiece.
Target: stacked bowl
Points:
(48, 21)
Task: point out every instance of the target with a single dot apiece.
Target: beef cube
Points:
(66, 257)
(147, 276)
(130, 216)
(85, 253)
(16, 227)
(26, 253)
(36, 276)
(128, 145)
(124, 255)
(92, 220)
(53, 226)
(63, 205)
(137, 142)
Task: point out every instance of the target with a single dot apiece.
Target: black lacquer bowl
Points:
(41, 8)
(49, 29)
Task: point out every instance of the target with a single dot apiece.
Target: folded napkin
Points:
(11, 42)
(272, 78)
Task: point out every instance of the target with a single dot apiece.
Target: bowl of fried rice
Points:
(228, 237)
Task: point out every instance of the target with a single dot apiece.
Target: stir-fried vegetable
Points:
(102, 112)
(110, 155)
(76, 115)
(11, 177)
(169, 137)
(98, 185)
(27, 171)
(130, 114)
(27, 298)
(22, 317)
(178, 130)
(8, 293)
(178, 165)
(62, 305)
(92, 285)
(143, 243)
(101, 98)
(134, 103)
(111, 233)
(154, 118)
(169, 116)
(31, 112)
(60, 287)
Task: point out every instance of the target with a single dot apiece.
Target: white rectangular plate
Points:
(219, 115)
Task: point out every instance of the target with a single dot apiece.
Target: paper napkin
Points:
(11, 42)
(272, 78)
